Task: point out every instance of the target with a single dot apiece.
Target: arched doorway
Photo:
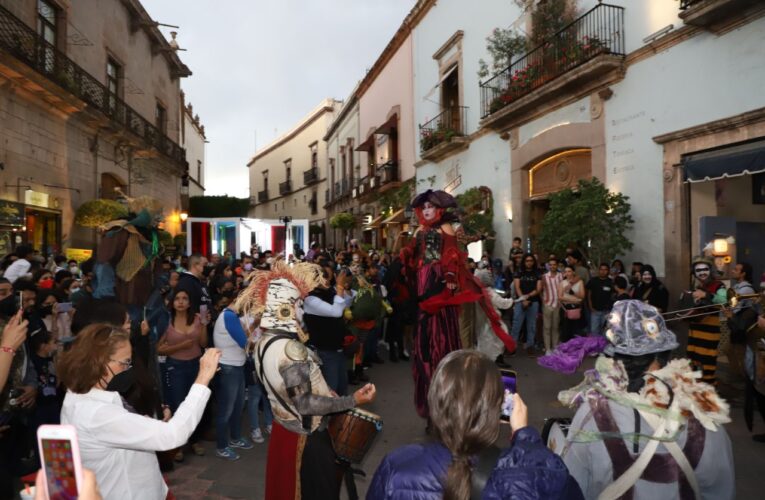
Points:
(552, 174)
(108, 183)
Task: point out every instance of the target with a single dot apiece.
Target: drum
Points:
(353, 433)
(554, 434)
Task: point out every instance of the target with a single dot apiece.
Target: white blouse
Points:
(118, 446)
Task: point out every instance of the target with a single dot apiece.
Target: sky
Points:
(259, 66)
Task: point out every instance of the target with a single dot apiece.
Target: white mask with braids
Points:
(283, 308)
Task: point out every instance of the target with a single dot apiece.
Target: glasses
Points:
(127, 364)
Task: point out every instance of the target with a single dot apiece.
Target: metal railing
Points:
(310, 176)
(687, 4)
(388, 172)
(599, 31)
(285, 187)
(263, 196)
(26, 45)
(443, 128)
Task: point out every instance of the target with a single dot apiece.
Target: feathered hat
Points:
(273, 295)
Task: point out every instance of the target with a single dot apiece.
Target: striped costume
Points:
(704, 333)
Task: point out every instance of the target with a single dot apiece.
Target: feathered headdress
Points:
(273, 295)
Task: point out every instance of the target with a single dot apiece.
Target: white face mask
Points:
(74, 270)
(701, 271)
(72, 291)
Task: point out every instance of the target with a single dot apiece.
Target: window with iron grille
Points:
(160, 117)
(46, 21)
(113, 73)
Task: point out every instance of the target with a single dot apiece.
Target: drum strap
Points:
(264, 379)
(487, 461)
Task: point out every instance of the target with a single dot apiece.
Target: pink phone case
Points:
(74, 449)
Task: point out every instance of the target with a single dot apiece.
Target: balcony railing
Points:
(263, 196)
(27, 46)
(345, 187)
(443, 128)
(388, 172)
(599, 31)
(685, 4)
(310, 176)
(285, 187)
(326, 196)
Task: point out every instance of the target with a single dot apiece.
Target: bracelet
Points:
(10, 350)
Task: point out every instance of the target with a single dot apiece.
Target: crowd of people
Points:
(285, 337)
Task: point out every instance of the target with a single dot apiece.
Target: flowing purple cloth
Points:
(568, 356)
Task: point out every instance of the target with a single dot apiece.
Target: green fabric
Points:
(721, 296)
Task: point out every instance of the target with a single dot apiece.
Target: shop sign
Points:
(36, 198)
(11, 213)
(78, 254)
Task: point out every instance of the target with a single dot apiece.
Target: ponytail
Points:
(457, 485)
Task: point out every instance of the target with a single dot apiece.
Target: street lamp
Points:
(286, 221)
(184, 216)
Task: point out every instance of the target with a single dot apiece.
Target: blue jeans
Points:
(255, 394)
(179, 377)
(597, 320)
(530, 315)
(370, 345)
(230, 393)
(334, 368)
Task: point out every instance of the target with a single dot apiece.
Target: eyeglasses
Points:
(127, 364)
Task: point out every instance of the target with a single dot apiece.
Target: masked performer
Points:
(301, 461)
(704, 331)
(436, 271)
(646, 427)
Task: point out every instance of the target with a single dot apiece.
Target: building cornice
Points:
(713, 127)
(350, 104)
(326, 106)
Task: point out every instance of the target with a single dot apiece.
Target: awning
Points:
(374, 224)
(732, 161)
(389, 126)
(368, 144)
(398, 217)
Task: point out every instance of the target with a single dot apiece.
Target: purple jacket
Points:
(526, 470)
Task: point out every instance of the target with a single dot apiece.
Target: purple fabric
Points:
(568, 356)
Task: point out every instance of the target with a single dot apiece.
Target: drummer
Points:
(301, 461)
(672, 441)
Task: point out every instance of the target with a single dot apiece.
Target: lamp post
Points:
(286, 221)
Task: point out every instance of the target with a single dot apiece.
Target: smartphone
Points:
(61, 464)
(21, 299)
(510, 383)
(64, 307)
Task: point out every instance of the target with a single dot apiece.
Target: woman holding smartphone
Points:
(116, 444)
(182, 343)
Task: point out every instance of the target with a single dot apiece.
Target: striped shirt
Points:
(551, 284)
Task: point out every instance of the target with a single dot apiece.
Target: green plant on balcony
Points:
(343, 220)
(431, 138)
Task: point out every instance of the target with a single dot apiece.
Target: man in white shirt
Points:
(551, 281)
(20, 266)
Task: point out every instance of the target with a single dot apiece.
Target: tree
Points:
(96, 213)
(589, 217)
(477, 214)
(218, 206)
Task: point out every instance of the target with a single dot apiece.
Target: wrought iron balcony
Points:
(285, 187)
(445, 129)
(599, 31)
(715, 14)
(263, 196)
(310, 176)
(388, 172)
(26, 45)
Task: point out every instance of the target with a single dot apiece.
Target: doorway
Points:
(538, 210)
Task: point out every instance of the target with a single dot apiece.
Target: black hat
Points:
(439, 198)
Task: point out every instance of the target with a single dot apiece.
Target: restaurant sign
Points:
(11, 213)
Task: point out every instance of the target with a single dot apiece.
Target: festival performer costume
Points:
(487, 342)
(301, 461)
(436, 271)
(664, 440)
(704, 331)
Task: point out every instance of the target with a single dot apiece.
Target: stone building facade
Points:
(194, 140)
(89, 102)
(289, 176)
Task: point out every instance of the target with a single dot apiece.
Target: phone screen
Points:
(59, 469)
(64, 307)
(510, 383)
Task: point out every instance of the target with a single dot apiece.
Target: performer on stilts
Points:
(301, 460)
(437, 273)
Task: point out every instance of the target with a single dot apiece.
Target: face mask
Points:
(8, 306)
(74, 270)
(701, 272)
(248, 267)
(121, 382)
(72, 291)
(45, 284)
(46, 310)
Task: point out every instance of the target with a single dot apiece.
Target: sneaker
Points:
(178, 456)
(268, 429)
(227, 453)
(241, 443)
(257, 436)
(198, 449)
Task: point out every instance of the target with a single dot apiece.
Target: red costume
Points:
(433, 260)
